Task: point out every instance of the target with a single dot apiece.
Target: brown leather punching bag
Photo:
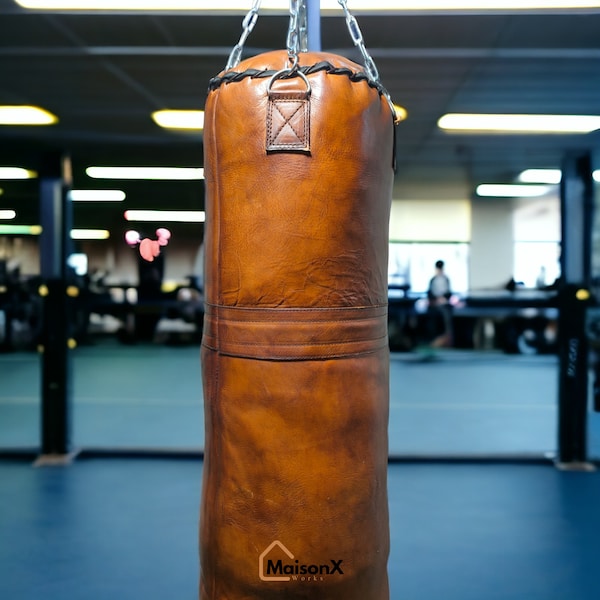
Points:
(298, 174)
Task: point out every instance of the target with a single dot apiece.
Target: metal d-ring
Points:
(288, 73)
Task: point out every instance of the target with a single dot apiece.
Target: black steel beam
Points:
(573, 299)
(55, 247)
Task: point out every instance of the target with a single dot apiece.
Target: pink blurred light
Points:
(132, 237)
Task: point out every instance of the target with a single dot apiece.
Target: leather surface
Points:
(294, 352)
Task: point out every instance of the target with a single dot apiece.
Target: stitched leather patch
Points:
(288, 122)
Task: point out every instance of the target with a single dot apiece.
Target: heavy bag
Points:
(295, 360)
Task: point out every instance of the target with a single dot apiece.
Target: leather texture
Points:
(295, 357)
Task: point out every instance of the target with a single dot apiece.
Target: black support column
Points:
(55, 247)
(574, 297)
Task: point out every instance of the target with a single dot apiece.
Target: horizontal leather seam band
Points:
(289, 334)
(293, 315)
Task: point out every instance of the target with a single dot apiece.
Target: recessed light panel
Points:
(166, 216)
(192, 120)
(89, 234)
(26, 115)
(96, 195)
(151, 173)
(496, 190)
(550, 176)
(521, 123)
(389, 6)
(20, 229)
(16, 173)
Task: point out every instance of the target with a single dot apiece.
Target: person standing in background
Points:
(440, 310)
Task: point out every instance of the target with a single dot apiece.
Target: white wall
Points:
(491, 258)
(430, 221)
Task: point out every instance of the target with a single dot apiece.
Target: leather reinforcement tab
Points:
(288, 121)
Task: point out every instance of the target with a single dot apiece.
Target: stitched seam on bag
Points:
(295, 321)
(275, 344)
(299, 309)
(354, 76)
(297, 122)
(303, 358)
(306, 357)
(288, 120)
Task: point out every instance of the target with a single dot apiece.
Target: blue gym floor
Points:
(126, 529)
(462, 527)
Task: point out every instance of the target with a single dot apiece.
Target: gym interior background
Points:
(493, 442)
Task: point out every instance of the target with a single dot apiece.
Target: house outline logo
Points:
(261, 562)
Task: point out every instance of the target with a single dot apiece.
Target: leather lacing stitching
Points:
(354, 76)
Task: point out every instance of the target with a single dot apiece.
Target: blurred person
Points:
(439, 310)
(540, 281)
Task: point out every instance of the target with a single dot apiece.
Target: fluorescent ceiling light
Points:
(327, 5)
(76, 234)
(549, 176)
(166, 216)
(166, 173)
(179, 119)
(497, 190)
(96, 195)
(20, 229)
(506, 123)
(26, 115)
(7, 214)
(89, 234)
(16, 173)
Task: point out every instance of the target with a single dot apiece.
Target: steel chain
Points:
(297, 36)
(303, 26)
(247, 26)
(293, 36)
(359, 42)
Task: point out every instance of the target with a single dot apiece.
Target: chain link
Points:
(359, 42)
(293, 36)
(303, 26)
(247, 26)
(297, 37)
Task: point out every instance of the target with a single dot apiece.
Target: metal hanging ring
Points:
(288, 74)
